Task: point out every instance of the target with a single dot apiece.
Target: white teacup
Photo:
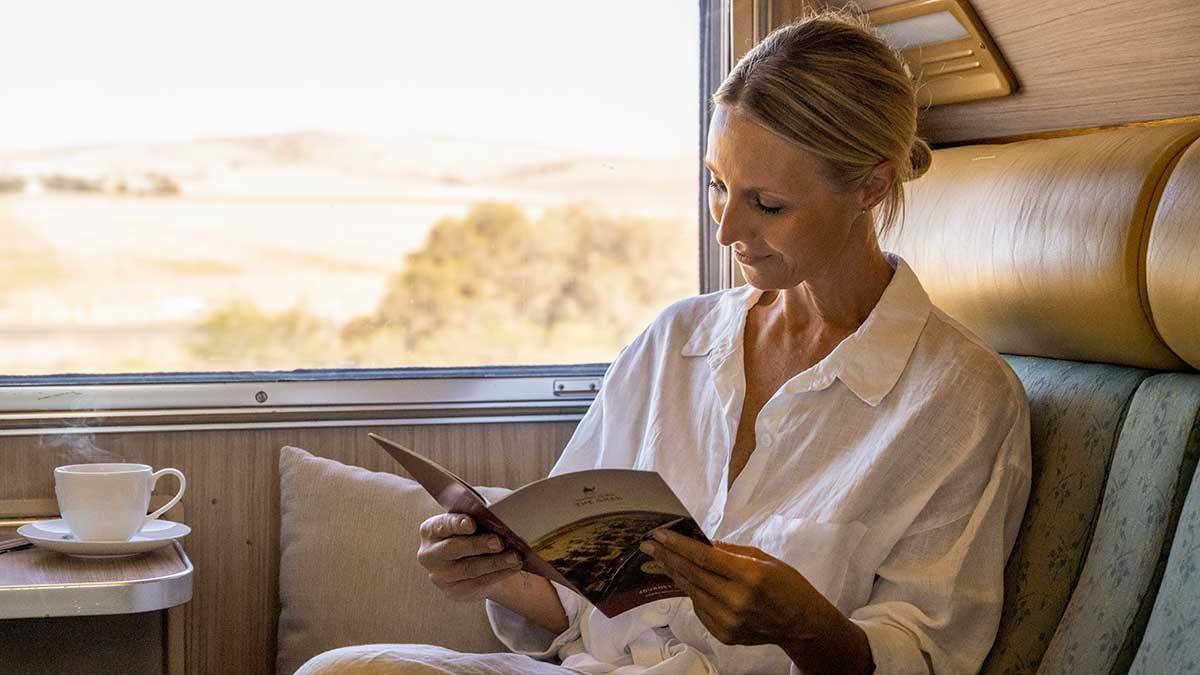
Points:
(108, 502)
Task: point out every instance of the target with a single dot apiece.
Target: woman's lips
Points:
(748, 259)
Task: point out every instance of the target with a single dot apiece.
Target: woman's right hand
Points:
(464, 565)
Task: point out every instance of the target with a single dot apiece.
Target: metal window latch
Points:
(576, 386)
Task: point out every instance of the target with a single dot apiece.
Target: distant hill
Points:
(356, 154)
(325, 164)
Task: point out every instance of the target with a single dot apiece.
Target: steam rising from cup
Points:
(78, 449)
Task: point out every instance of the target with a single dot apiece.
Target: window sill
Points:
(414, 396)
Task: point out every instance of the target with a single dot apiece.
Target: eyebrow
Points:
(756, 189)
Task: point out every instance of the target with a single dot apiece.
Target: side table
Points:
(91, 615)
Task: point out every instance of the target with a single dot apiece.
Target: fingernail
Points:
(647, 548)
(494, 544)
(462, 522)
(659, 535)
(514, 560)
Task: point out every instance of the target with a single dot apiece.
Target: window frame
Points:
(112, 403)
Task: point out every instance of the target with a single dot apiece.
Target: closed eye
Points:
(769, 210)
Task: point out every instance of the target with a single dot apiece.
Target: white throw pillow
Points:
(348, 572)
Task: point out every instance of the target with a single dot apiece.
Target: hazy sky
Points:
(612, 75)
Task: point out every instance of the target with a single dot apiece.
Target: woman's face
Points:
(783, 218)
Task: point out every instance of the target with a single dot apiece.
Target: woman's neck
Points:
(837, 301)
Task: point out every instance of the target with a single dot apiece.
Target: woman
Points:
(860, 459)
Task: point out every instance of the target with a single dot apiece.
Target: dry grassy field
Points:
(106, 282)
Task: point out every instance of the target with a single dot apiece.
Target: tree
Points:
(494, 287)
(240, 336)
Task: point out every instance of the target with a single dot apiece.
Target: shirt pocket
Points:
(822, 552)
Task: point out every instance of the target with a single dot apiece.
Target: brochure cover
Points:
(579, 529)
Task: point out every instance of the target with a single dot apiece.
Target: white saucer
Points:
(54, 535)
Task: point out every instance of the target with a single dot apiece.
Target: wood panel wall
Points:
(1078, 63)
(232, 506)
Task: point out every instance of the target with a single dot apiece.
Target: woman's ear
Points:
(878, 184)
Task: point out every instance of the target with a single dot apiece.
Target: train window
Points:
(232, 186)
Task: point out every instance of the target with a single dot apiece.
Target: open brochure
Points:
(580, 530)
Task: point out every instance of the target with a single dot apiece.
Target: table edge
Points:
(100, 598)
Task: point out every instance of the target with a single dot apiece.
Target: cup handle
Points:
(174, 500)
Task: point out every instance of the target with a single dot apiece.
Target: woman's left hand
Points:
(741, 594)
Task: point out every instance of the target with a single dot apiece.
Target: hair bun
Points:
(919, 158)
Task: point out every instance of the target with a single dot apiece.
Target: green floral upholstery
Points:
(1171, 643)
(1150, 475)
(1076, 411)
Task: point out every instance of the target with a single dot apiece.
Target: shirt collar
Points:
(876, 354)
(869, 361)
(723, 324)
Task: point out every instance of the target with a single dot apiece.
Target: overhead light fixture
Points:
(947, 50)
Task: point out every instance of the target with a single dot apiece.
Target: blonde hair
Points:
(828, 83)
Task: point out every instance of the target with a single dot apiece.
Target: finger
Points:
(717, 616)
(747, 551)
(453, 548)
(463, 524)
(711, 559)
(473, 567)
(477, 588)
(702, 598)
(712, 612)
(696, 576)
(447, 525)
(717, 561)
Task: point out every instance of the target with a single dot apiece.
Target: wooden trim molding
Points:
(1062, 133)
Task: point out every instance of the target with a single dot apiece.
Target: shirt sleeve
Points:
(525, 637)
(936, 601)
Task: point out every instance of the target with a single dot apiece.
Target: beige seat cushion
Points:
(348, 573)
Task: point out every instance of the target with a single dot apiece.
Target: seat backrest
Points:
(1040, 247)
(1076, 411)
(1148, 479)
(1171, 643)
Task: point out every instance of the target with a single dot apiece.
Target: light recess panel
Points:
(947, 50)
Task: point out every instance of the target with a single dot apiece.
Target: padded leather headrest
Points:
(1173, 260)
(1039, 246)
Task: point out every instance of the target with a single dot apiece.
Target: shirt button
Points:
(766, 441)
(664, 607)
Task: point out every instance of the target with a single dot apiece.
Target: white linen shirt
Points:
(892, 474)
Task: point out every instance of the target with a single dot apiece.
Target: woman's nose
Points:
(731, 225)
